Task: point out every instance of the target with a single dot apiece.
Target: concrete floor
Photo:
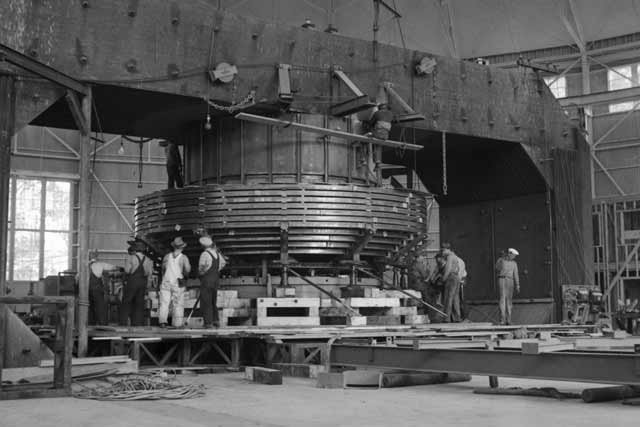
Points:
(233, 401)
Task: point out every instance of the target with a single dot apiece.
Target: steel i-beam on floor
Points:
(606, 368)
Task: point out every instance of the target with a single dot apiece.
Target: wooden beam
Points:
(16, 58)
(348, 137)
(7, 121)
(84, 198)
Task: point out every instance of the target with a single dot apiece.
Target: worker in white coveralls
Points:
(508, 279)
(175, 269)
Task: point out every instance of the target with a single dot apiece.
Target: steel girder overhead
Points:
(500, 135)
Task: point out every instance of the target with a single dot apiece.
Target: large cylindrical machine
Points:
(274, 196)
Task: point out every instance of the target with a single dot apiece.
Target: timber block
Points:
(288, 312)
(261, 375)
(362, 378)
(383, 320)
(315, 370)
(288, 302)
(416, 319)
(391, 293)
(356, 321)
(372, 302)
(301, 370)
(403, 311)
(330, 380)
(288, 321)
(285, 292)
(541, 347)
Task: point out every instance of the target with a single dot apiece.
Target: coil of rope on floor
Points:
(152, 386)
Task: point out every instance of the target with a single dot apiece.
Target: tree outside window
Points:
(40, 227)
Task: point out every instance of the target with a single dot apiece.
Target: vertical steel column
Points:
(7, 123)
(84, 202)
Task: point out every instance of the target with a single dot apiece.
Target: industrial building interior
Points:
(370, 211)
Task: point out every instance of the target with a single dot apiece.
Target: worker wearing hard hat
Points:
(209, 266)
(508, 281)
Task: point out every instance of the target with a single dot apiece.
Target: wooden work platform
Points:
(234, 346)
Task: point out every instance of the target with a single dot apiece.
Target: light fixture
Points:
(121, 149)
(207, 125)
(331, 29)
(308, 24)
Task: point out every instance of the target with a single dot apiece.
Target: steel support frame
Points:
(612, 368)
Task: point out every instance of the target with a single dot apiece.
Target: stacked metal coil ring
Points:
(321, 220)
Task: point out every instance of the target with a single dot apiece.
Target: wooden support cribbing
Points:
(392, 379)
(535, 392)
(606, 394)
(263, 375)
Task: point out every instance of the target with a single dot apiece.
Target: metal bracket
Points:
(76, 112)
(284, 84)
(410, 114)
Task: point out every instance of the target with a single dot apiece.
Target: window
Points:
(557, 85)
(39, 227)
(622, 77)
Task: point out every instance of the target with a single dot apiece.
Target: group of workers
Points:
(138, 273)
(447, 283)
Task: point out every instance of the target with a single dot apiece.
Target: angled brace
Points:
(351, 106)
(410, 114)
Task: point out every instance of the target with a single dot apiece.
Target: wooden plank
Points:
(288, 321)
(373, 302)
(343, 136)
(34, 394)
(540, 347)
(89, 361)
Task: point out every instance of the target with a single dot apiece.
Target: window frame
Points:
(557, 79)
(621, 107)
(41, 230)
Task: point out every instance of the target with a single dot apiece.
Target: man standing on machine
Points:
(139, 271)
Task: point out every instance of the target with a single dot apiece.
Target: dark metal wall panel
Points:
(478, 231)
(469, 229)
(572, 216)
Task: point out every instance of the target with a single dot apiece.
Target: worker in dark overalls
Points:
(139, 270)
(174, 164)
(209, 266)
(98, 306)
(380, 122)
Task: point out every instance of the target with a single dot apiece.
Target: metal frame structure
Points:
(62, 348)
(596, 367)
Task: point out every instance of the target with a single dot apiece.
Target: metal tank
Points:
(273, 197)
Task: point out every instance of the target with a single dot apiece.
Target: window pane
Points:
(622, 106)
(26, 257)
(557, 85)
(57, 205)
(56, 253)
(28, 193)
(616, 77)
